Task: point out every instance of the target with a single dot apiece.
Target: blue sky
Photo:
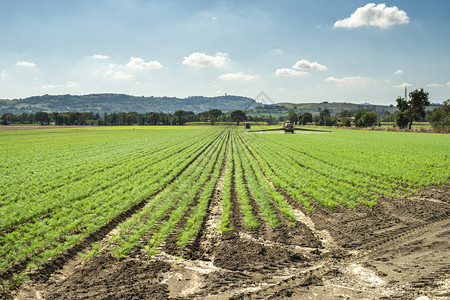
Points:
(295, 51)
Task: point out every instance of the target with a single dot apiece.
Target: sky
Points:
(292, 50)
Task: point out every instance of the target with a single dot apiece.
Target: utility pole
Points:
(406, 95)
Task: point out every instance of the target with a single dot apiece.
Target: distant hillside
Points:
(99, 103)
(316, 108)
(336, 107)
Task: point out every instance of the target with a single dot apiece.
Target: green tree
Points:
(414, 108)
(325, 118)
(238, 116)
(345, 114)
(179, 116)
(305, 118)
(346, 122)
(440, 118)
(292, 116)
(5, 119)
(365, 118)
(213, 114)
(387, 117)
(42, 117)
(369, 118)
(401, 118)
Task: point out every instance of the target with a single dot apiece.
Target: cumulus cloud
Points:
(374, 15)
(137, 63)
(306, 65)
(349, 80)
(198, 59)
(448, 83)
(25, 64)
(99, 56)
(119, 75)
(237, 76)
(402, 86)
(287, 72)
(398, 72)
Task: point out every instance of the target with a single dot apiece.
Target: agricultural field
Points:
(217, 212)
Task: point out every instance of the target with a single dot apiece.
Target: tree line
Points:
(409, 111)
(179, 117)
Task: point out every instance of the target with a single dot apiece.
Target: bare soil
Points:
(399, 249)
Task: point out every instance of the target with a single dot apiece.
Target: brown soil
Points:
(398, 249)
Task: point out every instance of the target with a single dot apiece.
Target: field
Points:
(217, 212)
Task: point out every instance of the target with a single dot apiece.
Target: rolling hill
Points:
(100, 103)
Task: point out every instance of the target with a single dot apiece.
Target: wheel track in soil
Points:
(321, 268)
(43, 273)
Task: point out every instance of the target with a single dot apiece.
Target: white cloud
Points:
(402, 86)
(398, 72)
(49, 86)
(72, 84)
(290, 72)
(137, 63)
(237, 76)
(277, 52)
(99, 56)
(374, 15)
(306, 65)
(349, 80)
(25, 64)
(119, 75)
(2, 75)
(198, 59)
(448, 83)
(434, 85)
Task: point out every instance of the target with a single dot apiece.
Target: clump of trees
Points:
(305, 118)
(411, 110)
(440, 117)
(365, 118)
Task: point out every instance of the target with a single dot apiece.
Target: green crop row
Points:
(349, 168)
(73, 215)
(166, 203)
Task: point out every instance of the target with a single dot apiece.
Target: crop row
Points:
(80, 207)
(191, 190)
